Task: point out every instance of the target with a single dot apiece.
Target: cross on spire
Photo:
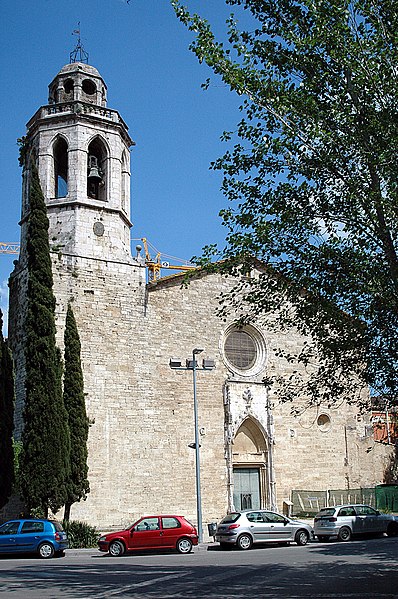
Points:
(78, 54)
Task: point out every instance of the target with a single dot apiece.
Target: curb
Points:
(97, 553)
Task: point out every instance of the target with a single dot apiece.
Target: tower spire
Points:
(78, 54)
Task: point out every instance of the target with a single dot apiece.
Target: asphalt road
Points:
(359, 569)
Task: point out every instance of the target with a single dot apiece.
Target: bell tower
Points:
(82, 151)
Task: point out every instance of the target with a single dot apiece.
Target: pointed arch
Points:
(250, 466)
(251, 435)
(60, 158)
(97, 169)
(250, 439)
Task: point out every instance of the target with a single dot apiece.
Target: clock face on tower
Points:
(98, 229)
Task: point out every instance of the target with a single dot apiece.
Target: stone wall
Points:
(141, 410)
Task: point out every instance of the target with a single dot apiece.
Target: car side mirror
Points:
(132, 530)
(377, 513)
(286, 521)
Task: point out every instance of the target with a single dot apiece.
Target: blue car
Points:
(45, 537)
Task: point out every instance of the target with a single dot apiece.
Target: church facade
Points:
(253, 451)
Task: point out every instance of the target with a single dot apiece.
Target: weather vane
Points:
(79, 54)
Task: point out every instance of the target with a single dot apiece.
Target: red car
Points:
(152, 532)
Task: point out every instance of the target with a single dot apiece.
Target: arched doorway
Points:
(250, 467)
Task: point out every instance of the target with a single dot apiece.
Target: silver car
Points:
(343, 521)
(261, 526)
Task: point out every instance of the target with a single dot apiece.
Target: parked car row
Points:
(242, 529)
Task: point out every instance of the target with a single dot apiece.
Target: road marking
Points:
(141, 584)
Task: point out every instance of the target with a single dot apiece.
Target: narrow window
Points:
(125, 181)
(96, 170)
(61, 168)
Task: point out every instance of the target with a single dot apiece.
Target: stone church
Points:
(142, 454)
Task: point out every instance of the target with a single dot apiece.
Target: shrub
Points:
(80, 534)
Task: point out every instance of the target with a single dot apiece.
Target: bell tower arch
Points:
(97, 170)
(60, 156)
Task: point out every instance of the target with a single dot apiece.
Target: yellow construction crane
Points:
(157, 263)
(9, 248)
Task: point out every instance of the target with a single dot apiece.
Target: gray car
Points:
(261, 526)
(344, 521)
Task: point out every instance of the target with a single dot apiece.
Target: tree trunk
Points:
(67, 512)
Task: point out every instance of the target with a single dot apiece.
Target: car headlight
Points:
(102, 539)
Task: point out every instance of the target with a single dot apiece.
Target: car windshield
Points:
(329, 511)
(230, 518)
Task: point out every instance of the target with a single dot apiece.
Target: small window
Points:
(346, 511)
(68, 86)
(365, 510)
(255, 517)
(32, 527)
(88, 87)
(272, 517)
(324, 423)
(9, 528)
(170, 523)
(147, 524)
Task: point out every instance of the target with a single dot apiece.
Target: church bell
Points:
(94, 173)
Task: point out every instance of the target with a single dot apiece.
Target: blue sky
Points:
(154, 81)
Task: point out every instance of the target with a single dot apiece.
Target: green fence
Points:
(308, 503)
(387, 498)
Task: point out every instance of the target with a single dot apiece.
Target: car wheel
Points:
(116, 548)
(46, 550)
(392, 529)
(244, 542)
(323, 538)
(184, 545)
(302, 537)
(345, 534)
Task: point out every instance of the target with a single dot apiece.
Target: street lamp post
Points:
(176, 364)
(195, 352)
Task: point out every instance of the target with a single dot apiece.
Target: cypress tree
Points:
(44, 463)
(78, 486)
(6, 419)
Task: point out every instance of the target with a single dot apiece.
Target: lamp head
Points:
(197, 350)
